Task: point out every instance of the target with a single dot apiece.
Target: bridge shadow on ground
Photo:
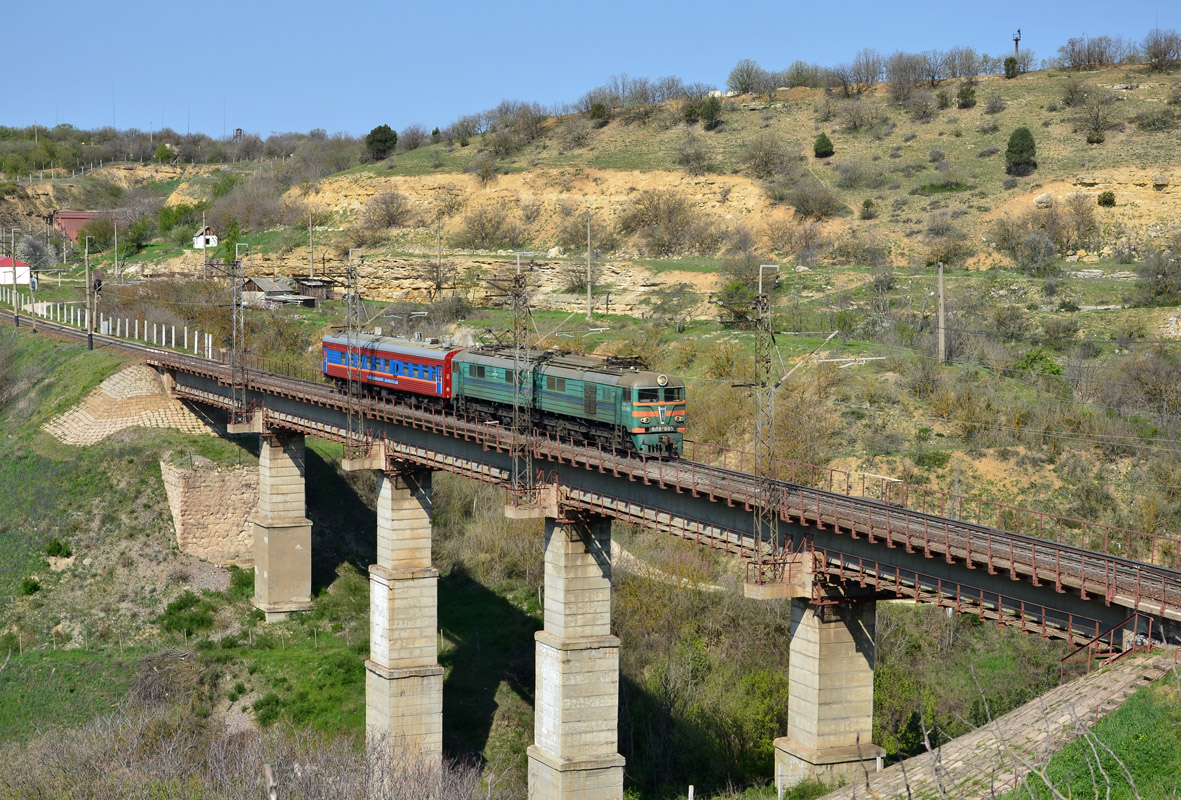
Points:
(490, 643)
(344, 519)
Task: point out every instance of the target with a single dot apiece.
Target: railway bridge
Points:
(1089, 584)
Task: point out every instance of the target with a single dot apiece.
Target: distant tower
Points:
(238, 131)
(1017, 43)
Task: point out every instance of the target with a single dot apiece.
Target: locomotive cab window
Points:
(674, 395)
(647, 395)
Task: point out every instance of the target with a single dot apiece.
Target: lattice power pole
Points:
(522, 435)
(766, 514)
(238, 341)
(522, 444)
(355, 435)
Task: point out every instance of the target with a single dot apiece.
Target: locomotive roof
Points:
(574, 366)
(404, 346)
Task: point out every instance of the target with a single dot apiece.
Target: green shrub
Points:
(1011, 67)
(30, 585)
(1020, 156)
(241, 583)
(1095, 137)
(966, 97)
(1106, 199)
(1038, 362)
(187, 614)
(931, 459)
(823, 146)
(58, 549)
(711, 112)
(868, 209)
(225, 184)
(267, 708)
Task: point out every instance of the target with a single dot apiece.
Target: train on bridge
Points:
(614, 402)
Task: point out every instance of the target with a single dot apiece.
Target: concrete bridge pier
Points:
(576, 705)
(830, 693)
(282, 531)
(403, 679)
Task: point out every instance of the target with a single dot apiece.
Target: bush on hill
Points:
(1020, 156)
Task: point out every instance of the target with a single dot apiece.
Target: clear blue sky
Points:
(348, 66)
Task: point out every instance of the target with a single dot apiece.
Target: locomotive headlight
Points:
(679, 418)
(645, 420)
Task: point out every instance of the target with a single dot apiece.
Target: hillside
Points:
(935, 177)
(1060, 393)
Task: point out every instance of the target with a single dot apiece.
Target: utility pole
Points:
(238, 353)
(521, 444)
(89, 300)
(311, 249)
(355, 435)
(115, 220)
(939, 343)
(589, 282)
(438, 261)
(16, 311)
(766, 514)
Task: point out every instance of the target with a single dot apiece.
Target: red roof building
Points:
(6, 271)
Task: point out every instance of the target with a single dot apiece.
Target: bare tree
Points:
(868, 66)
(412, 137)
(748, 77)
(1161, 49)
(932, 63)
(903, 73)
(840, 76)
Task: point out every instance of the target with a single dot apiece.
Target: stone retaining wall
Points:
(211, 507)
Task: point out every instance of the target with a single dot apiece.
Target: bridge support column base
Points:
(795, 763)
(404, 708)
(277, 612)
(574, 779)
(282, 567)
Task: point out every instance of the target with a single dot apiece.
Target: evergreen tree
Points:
(711, 112)
(823, 146)
(381, 141)
(1021, 153)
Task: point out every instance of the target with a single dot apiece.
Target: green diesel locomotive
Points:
(613, 402)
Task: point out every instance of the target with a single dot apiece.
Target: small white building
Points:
(205, 238)
(10, 267)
